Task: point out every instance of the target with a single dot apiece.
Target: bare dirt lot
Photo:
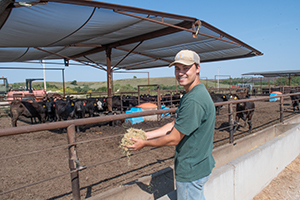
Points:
(44, 159)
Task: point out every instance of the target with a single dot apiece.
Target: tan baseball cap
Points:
(186, 57)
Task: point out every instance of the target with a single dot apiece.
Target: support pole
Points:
(64, 88)
(72, 162)
(109, 82)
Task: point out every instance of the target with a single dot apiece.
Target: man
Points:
(191, 132)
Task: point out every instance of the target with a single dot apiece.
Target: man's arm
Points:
(160, 131)
(167, 140)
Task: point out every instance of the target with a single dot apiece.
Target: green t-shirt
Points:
(196, 120)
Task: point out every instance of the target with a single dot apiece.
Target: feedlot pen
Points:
(35, 165)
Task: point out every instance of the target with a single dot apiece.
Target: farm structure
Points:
(149, 38)
(96, 162)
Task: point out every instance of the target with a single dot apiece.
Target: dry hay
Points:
(131, 133)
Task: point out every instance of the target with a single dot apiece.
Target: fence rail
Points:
(74, 165)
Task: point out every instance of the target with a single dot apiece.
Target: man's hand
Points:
(138, 145)
(167, 140)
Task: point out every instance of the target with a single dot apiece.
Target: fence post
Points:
(158, 102)
(72, 162)
(281, 109)
(231, 123)
(121, 98)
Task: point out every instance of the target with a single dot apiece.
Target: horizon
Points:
(221, 79)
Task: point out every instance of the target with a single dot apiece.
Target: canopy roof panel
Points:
(275, 73)
(84, 30)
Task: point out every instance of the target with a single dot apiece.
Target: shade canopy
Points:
(92, 32)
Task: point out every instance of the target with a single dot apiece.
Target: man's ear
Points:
(198, 69)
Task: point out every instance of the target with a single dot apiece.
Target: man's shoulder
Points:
(199, 92)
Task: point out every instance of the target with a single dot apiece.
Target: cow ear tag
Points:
(95, 104)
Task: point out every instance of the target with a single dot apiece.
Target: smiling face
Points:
(187, 75)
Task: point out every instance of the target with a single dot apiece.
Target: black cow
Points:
(27, 109)
(79, 109)
(50, 109)
(148, 98)
(93, 105)
(219, 98)
(244, 110)
(295, 100)
(116, 103)
(64, 109)
(129, 101)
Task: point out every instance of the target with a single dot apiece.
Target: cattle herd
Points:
(51, 109)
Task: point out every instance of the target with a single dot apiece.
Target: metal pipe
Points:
(94, 120)
(78, 122)
(109, 83)
(31, 68)
(66, 57)
(73, 162)
(150, 56)
(128, 54)
(281, 109)
(177, 27)
(231, 123)
(64, 87)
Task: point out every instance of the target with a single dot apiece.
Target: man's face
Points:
(186, 74)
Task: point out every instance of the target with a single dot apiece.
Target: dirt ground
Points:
(42, 157)
(285, 186)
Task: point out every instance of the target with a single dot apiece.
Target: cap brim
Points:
(184, 62)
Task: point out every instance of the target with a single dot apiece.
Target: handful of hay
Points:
(131, 133)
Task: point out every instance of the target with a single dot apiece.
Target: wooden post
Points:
(231, 122)
(72, 162)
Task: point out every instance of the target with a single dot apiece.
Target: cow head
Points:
(99, 105)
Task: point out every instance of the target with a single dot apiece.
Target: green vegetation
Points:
(257, 82)
(74, 82)
(284, 80)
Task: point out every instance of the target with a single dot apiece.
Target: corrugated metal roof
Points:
(85, 30)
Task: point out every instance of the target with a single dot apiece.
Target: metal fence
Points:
(75, 167)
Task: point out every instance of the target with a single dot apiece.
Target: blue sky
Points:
(271, 26)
